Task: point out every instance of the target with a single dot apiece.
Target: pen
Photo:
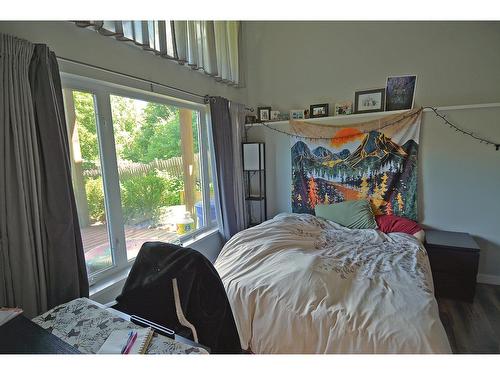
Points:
(134, 337)
(128, 341)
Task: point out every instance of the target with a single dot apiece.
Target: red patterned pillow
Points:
(392, 223)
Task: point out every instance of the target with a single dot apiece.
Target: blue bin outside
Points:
(199, 212)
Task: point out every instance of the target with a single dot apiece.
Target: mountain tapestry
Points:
(374, 160)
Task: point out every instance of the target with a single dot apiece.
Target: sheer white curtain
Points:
(209, 46)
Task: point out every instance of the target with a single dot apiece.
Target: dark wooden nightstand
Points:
(454, 259)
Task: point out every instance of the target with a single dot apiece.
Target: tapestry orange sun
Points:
(344, 136)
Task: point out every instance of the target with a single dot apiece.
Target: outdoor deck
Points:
(96, 242)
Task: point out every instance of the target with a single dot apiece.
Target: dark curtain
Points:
(67, 274)
(41, 254)
(224, 160)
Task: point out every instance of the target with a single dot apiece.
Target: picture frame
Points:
(367, 101)
(284, 116)
(275, 115)
(400, 92)
(264, 113)
(250, 119)
(297, 114)
(318, 110)
(343, 108)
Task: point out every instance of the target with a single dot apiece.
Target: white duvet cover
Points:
(301, 284)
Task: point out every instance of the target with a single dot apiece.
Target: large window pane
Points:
(157, 153)
(87, 179)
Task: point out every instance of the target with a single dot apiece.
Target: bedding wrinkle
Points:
(300, 284)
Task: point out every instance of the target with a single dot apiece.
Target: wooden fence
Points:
(172, 166)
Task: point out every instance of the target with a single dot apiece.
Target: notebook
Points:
(117, 340)
(7, 313)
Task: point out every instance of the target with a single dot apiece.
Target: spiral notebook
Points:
(117, 339)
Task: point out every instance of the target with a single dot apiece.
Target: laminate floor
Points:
(473, 327)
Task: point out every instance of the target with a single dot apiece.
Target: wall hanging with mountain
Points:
(359, 162)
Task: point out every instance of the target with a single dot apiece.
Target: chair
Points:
(179, 288)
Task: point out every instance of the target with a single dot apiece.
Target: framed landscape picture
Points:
(369, 101)
(400, 92)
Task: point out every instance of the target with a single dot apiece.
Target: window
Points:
(141, 171)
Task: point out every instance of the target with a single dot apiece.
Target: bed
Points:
(301, 284)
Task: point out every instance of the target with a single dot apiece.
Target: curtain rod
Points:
(131, 76)
(204, 97)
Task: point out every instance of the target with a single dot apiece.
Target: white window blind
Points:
(208, 46)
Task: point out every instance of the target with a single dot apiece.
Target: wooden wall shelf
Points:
(341, 119)
(346, 119)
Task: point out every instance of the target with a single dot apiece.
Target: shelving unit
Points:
(255, 182)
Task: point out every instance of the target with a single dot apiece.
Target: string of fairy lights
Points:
(463, 131)
(441, 116)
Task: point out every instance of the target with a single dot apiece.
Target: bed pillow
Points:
(355, 214)
(393, 223)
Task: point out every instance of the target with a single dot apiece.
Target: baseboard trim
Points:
(488, 279)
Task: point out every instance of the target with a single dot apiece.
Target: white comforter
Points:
(300, 284)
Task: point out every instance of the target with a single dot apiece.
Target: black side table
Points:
(454, 259)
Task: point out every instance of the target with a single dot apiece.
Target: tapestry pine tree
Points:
(388, 208)
(400, 203)
(364, 188)
(327, 201)
(313, 193)
(383, 185)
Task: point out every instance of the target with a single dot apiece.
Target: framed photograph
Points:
(297, 114)
(275, 115)
(250, 119)
(284, 116)
(343, 108)
(264, 113)
(318, 110)
(369, 101)
(400, 92)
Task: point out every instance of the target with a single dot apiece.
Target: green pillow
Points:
(356, 214)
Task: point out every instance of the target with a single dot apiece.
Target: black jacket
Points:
(149, 293)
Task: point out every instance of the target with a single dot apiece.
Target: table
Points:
(79, 326)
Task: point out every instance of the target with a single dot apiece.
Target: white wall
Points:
(295, 64)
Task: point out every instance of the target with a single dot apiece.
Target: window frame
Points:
(101, 91)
